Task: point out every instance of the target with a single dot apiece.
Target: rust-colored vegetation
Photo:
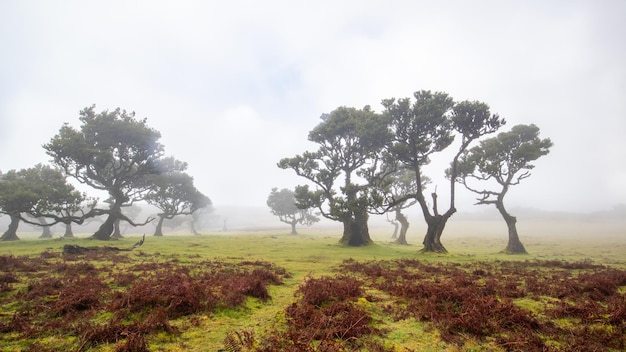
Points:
(97, 300)
(325, 318)
(125, 299)
(581, 306)
(482, 301)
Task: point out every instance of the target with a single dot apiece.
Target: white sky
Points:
(234, 86)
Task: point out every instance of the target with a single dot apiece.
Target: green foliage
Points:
(112, 151)
(506, 159)
(40, 191)
(420, 128)
(35, 190)
(350, 142)
(175, 194)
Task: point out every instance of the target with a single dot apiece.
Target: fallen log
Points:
(76, 249)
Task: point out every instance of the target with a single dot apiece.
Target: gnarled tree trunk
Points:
(432, 240)
(403, 228)
(117, 233)
(45, 232)
(11, 232)
(396, 227)
(355, 230)
(293, 227)
(159, 228)
(106, 229)
(68, 231)
(192, 227)
(514, 246)
(436, 224)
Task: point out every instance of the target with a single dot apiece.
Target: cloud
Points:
(235, 86)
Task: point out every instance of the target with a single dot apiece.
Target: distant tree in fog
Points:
(501, 162)
(131, 211)
(283, 204)
(397, 191)
(113, 152)
(175, 194)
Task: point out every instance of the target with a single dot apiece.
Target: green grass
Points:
(316, 253)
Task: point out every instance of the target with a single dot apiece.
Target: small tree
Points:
(283, 204)
(39, 192)
(507, 160)
(174, 194)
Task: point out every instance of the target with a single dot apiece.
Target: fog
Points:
(235, 86)
(533, 225)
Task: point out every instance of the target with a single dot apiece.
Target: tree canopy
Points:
(113, 152)
(175, 194)
(40, 191)
(350, 142)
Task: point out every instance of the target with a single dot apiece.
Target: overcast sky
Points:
(234, 86)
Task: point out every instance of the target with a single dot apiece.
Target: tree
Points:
(428, 126)
(283, 204)
(200, 218)
(175, 194)
(131, 211)
(350, 141)
(507, 160)
(46, 231)
(38, 192)
(112, 152)
(397, 191)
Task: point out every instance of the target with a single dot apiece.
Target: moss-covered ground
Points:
(264, 318)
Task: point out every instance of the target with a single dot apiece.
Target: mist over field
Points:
(483, 223)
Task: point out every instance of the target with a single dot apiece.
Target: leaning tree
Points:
(284, 205)
(112, 152)
(350, 141)
(174, 194)
(426, 126)
(37, 193)
(507, 160)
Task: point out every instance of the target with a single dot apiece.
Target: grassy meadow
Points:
(315, 253)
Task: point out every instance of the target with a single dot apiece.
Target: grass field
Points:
(312, 254)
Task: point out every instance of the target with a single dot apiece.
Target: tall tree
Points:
(175, 194)
(113, 152)
(350, 141)
(427, 126)
(38, 192)
(507, 160)
(283, 204)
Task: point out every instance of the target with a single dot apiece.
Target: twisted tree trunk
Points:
(68, 231)
(11, 232)
(159, 228)
(514, 246)
(403, 228)
(46, 232)
(355, 230)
